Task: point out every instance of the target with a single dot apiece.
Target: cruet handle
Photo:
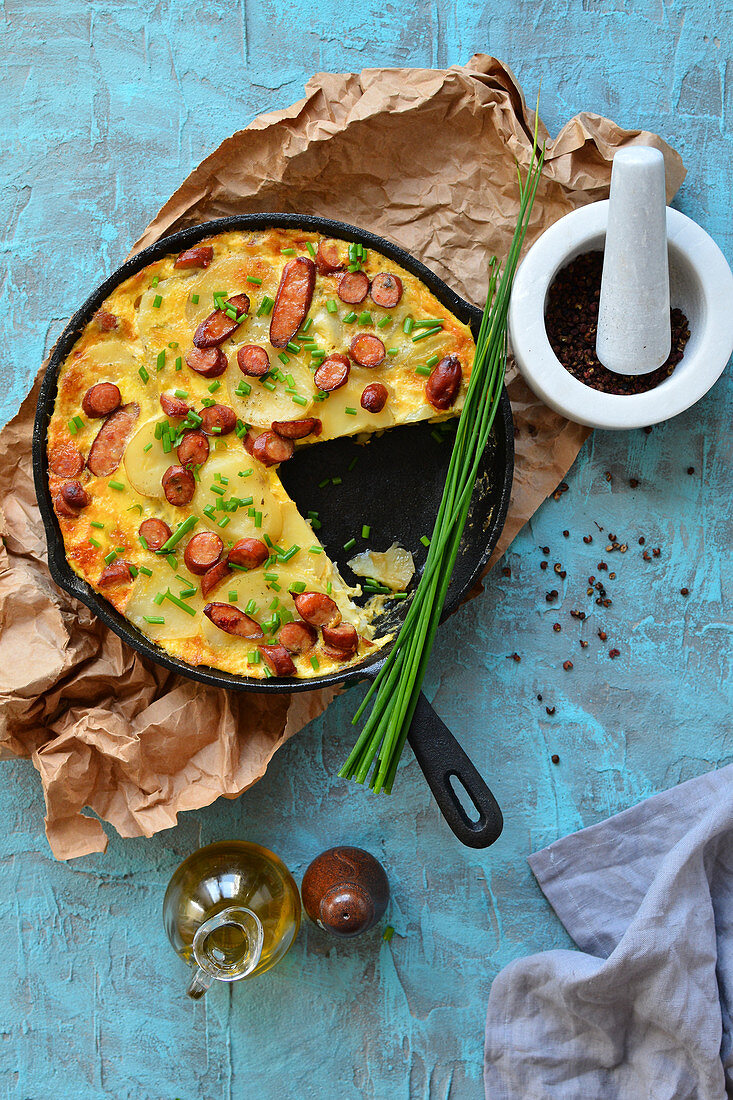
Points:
(199, 983)
(209, 958)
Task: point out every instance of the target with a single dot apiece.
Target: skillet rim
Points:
(62, 573)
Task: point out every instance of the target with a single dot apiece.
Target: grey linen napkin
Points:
(643, 1010)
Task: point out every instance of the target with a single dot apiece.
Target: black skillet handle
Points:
(440, 757)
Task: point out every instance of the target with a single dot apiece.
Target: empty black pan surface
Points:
(395, 487)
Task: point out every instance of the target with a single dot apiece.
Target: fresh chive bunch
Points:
(394, 693)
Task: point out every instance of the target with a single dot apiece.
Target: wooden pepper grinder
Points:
(345, 891)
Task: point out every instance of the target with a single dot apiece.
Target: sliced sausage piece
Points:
(329, 256)
(270, 449)
(109, 446)
(219, 325)
(174, 406)
(106, 321)
(293, 300)
(367, 350)
(117, 573)
(297, 429)
(63, 508)
(179, 485)
(218, 420)
(353, 287)
(65, 460)
(253, 360)
(214, 577)
(298, 636)
(232, 620)
(316, 608)
(156, 532)
(277, 659)
(101, 400)
(342, 637)
(386, 290)
(332, 373)
(441, 388)
(374, 397)
(248, 552)
(75, 494)
(208, 362)
(195, 257)
(202, 552)
(193, 450)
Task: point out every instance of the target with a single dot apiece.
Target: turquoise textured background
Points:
(105, 108)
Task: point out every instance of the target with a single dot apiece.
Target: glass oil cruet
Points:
(231, 911)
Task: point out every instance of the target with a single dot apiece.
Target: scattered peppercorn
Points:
(555, 758)
(567, 665)
(513, 657)
(506, 571)
(539, 698)
(607, 475)
(587, 539)
(566, 534)
(583, 644)
(612, 576)
(562, 488)
(648, 429)
(545, 549)
(656, 552)
(614, 653)
(690, 469)
(646, 556)
(543, 565)
(602, 635)
(556, 627)
(550, 596)
(642, 540)
(571, 320)
(684, 591)
(601, 566)
(550, 710)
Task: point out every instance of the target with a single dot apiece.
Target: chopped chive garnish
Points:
(306, 325)
(172, 561)
(366, 531)
(348, 545)
(187, 525)
(180, 393)
(269, 386)
(244, 473)
(144, 375)
(253, 658)
(288, 554)
(72, 427)
(408, 325)
(271, 576)
(335, 480)
(384, 321)
(437, 437)
(179, 363)
(94, 543)
(430, 322)
(96, 523)
(274, 604)
(291, 346)
(243, 389)
(158, 598)
(79, 422)
(265, 306)
(427, 332)
(331, 306)
(432, 360)
(160, 361)
(233, 597)
(144, 569)
(315, 549)
(143, 542)
(350, 411)
(134, 571)
(209, 511)
(365, 318)
(268, 672)
(157, 301)
(225, 522)
(354, 267)
(314, 663)
(392, 351)
(296, 397)
(424, 371)
(154, 620)
(349, 317)
(136, 508)
(425, 540)
(329, 587)
(288, 251)
(399, 595)
(154, 281)
(173, 344)
(195, 299)
(179, 603)
(217, 489)
(214, 386)
(116, 485)
(186, 593)
(254, 280)
(311, 249)
(298, 587)
(283, 357)
(324, 483)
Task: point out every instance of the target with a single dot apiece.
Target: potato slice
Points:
(178, 624)
(229, 464)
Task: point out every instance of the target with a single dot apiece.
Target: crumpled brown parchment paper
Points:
(424, 157)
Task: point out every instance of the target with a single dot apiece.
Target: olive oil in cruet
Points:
(231, 911)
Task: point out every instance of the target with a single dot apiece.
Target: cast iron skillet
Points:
(395, 486)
